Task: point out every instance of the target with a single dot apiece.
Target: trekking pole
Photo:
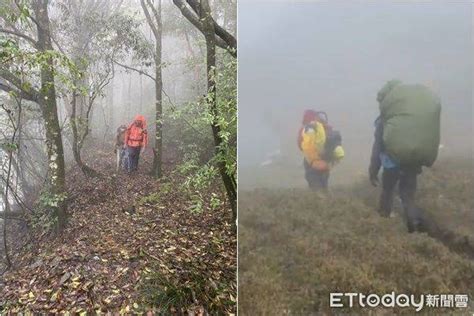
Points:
(118, 159)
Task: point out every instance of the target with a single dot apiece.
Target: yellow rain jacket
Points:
(313, 141)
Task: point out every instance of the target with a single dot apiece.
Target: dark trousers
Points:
(317, 180)
(406, 179)
(133, 156)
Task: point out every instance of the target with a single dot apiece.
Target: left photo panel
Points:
(118, 158)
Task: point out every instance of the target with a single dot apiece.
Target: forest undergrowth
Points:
(132, 245)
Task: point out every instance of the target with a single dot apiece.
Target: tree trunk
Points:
(54, 144)
(158, 146)
(155, 25)
(129, 95)
(110, 104)
(229, 181)
(77, 141)
(7, 206)
(193, 56)
(141, 94)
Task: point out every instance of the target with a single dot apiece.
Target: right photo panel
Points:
(355, 158)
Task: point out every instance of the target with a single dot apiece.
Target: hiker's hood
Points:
(141, 119)
(387, 88)
(309, 116)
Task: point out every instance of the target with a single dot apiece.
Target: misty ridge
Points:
(335, 58)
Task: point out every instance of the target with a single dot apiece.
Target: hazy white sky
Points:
(335, 56)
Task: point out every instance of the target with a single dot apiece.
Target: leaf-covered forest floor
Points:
(132, 245)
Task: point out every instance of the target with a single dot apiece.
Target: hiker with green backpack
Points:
(407, 136)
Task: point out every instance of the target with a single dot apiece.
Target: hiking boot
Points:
(416, 226)
(384, 213)
(410, 227)
(416, 220)
(420, 226)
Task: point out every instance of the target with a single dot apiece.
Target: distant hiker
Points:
(136, 139)
(407, 136)
(321, 147)
(120, 147)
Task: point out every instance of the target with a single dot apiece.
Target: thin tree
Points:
(154, 21)
(88, 22)
(11, 148)
(45, 97)
(215, 35)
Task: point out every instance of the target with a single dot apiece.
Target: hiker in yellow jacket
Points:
(321, 148)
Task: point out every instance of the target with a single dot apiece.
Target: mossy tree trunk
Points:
(155, 23)
(54, 144)
(209, 33)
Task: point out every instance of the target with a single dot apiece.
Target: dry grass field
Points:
(297, 246)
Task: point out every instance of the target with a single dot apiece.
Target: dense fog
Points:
(334, 57)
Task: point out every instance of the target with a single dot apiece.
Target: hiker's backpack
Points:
(333, 137)
(136, 135)
(320, 117)
(120, 137)
(333, 140)
(325, 140)
(411, 124)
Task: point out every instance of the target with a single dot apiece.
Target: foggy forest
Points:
(92, 218)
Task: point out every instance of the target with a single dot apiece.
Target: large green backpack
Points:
(411, 120)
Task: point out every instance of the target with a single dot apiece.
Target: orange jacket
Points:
(136, 134)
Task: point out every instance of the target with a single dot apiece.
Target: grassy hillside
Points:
(297, 246)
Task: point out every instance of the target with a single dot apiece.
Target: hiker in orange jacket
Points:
(136, 139)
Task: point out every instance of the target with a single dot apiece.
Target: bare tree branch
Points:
(29, 94)
(22, 94)
(141, 72)
(220, 31)
(17, 198)
(230, 46)
(21, 35)
(58, 45)
(155, 12)
(152, 25)
(16, 215)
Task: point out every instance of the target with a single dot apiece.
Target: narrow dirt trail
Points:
(114, 240)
